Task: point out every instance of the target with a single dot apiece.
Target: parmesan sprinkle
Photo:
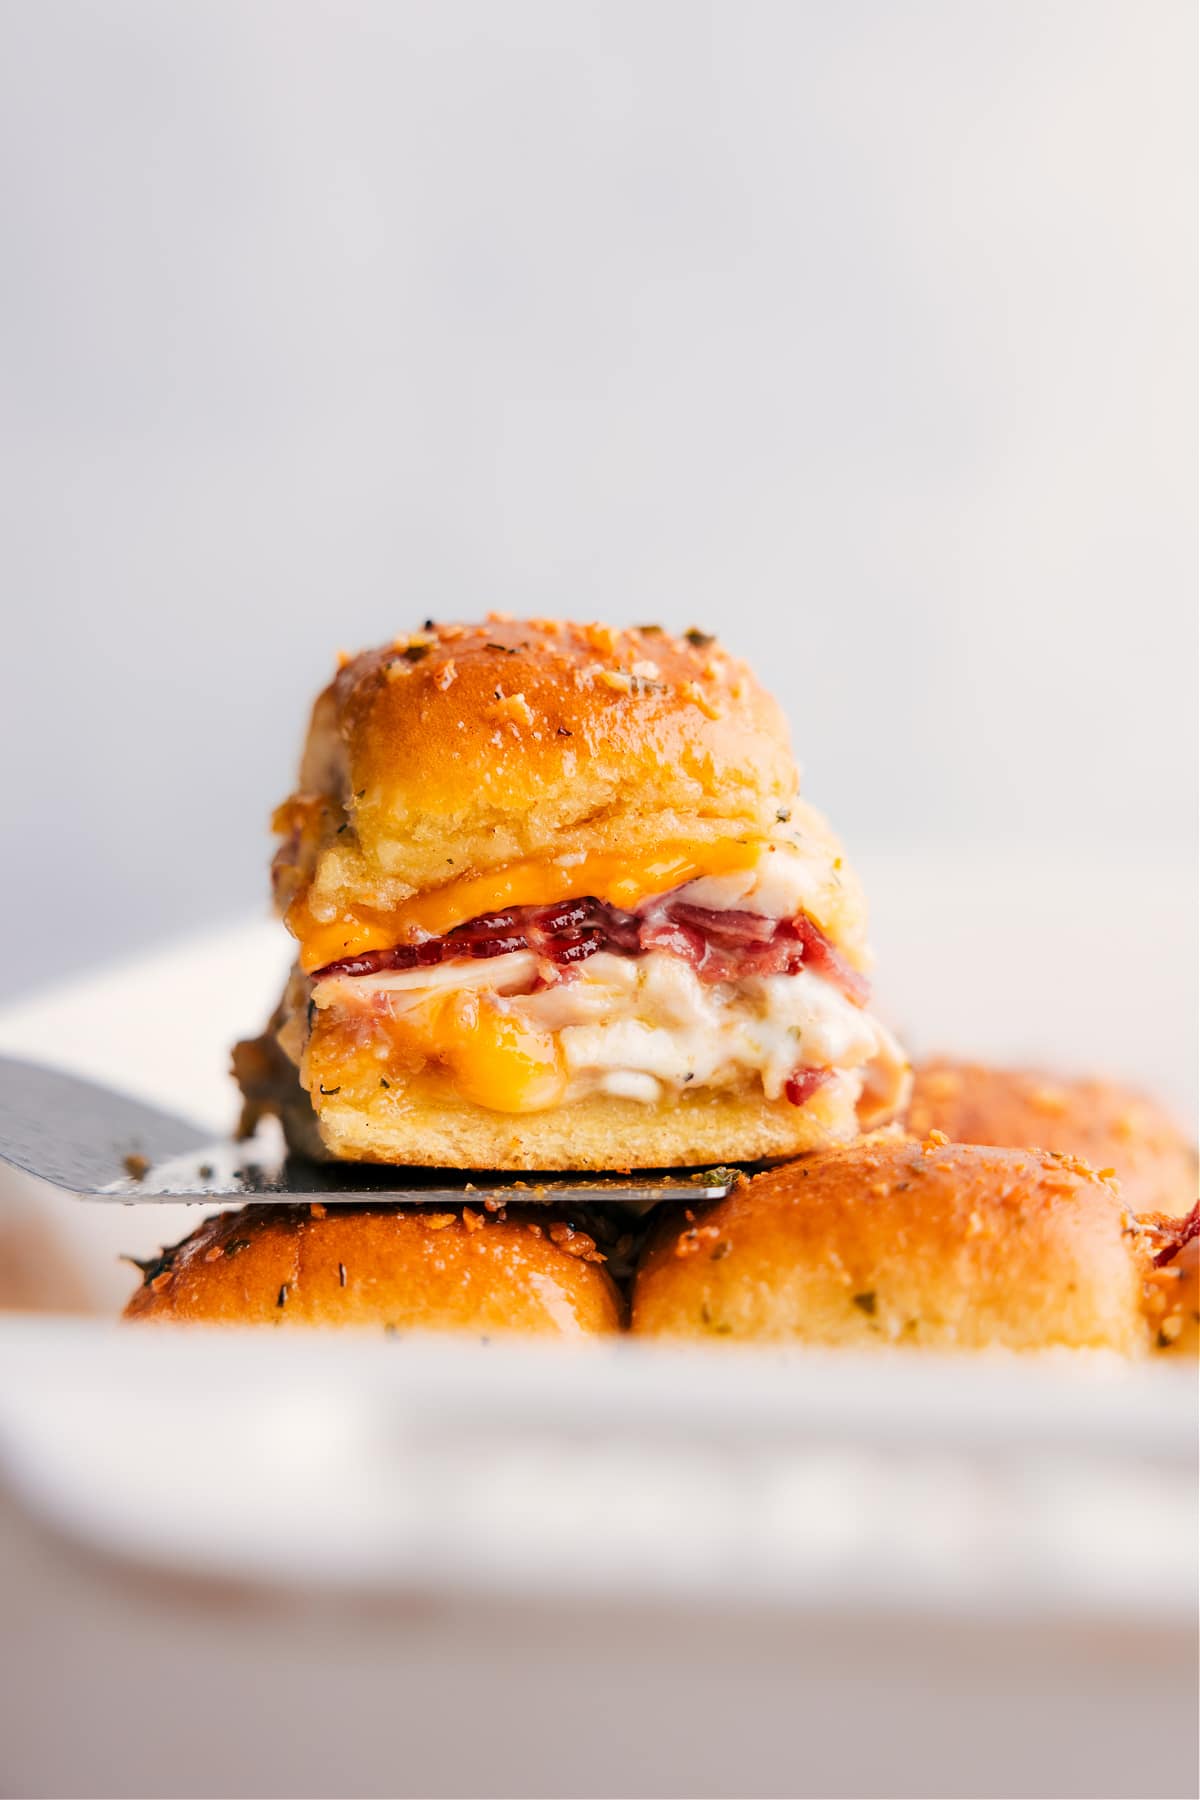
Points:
(695, 693)
(513, 707)
(600, 638)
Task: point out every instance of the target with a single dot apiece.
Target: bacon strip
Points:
(719, 946)
(804, 1083)
(1178, 1232)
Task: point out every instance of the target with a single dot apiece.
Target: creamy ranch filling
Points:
(644, 1026)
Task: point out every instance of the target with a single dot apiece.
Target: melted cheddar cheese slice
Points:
(495, 1060)
(620, 880)
(492, 1057)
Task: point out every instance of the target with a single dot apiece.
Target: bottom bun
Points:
(403, 1268)
(423, 1122)
(893, 1242)
(600, 1132)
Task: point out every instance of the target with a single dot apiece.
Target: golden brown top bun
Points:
(893, 1242)
(465, 749)
(1108, 1126)
(401, 1268)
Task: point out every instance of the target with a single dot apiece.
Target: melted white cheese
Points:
(641, 1026)
(783, 882)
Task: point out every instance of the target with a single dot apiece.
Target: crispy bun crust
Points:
(894, 1242)
(1108, 1126)
(403, 1268)
(464, 749)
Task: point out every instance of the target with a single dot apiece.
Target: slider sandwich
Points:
(1112, 1127)
(891, 1243)
(558, 905)
(385, 1267)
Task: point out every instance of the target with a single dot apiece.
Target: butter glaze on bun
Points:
(897, 1243)
(398, 1268)
(1106, 1124)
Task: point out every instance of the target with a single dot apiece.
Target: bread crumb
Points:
(446, 674)
(575, 1243)
(472, 1220)
(512, 707)
(1052, 1159)
(600, 638)
(935, 1139)
(615, 679)
(136, 1166)
(693, 1240)
(695, 693)
(439, 1221)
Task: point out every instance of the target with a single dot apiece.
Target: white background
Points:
(862, 333)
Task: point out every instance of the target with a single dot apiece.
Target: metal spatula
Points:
(102, 1145)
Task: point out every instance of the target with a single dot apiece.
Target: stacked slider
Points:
(559, 906)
